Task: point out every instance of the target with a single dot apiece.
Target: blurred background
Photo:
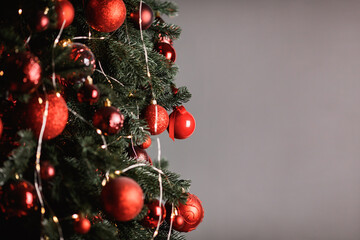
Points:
(276, 95)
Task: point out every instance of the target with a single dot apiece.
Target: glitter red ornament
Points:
(181, 123)
(82, 225)
(17, 198)
(139, 154)
(65, 12)
(105, 15)
(109, 120)
(147, 17)
(156, 117)
(147, 143)
(192, 212)
(156, 212)
(21, 72)
(88, 93)
(56, 119)
(47, 170)
(122, 198)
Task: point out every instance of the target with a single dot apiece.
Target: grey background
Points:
(276, 97)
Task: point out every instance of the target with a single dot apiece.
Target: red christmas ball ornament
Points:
(182, 123)
(47, 170)
(146, 144)
(82, 225)
(192, 212)
(88, 93)
(56, 119)
(40, 22)
(1, 127)
(139, 154)
(156, 117)
(167, 50)
(122, 198)
(105, 15)
(17, 198)
(156, 212)
(147, 17)
(109, 120)
(21, 72)
(175, 217)
(65, 12)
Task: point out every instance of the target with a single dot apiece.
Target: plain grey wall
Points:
(276, 97)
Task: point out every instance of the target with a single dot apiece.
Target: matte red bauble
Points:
(88, 93)
(157, 118)
(65, 12)
(105, 15)
(17, 198)
(109, 120)
(182, 123)
(167, 50)
(192, 212)
(82, 225)
(147, 17)
(139, 154)
(47, 170)
(156, 212)
(146, 144)
(56, 119)
(122, 198)
(21, 72)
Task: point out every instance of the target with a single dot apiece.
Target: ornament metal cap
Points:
(153, 102)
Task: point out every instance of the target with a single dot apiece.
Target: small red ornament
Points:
(82, 225)
(122, 198)
(21, 72)
(109, 120)
(88, 93)
(47, 170)
(156, 117)
(56, 119)
(156, 212)
(139, 154)
(1, 127)
(177, 219)
(146, 144)
(65, 12)
(147, 17)
(167, 50)
(192, 212)
(105, 15)
(40, 22)
(17, 198)
(182, 123)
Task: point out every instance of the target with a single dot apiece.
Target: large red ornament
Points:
(109, 120)
(122, 198)
(147, 17)
(17, 198)
(167, 50)
(182, 123)
(47, 170)
(139, 154)
(56, 119)
(156, 117)
(65, 12)
(20, 72)
(88, 93)
(82, 225)
(192, 212)
(156, 212)
(105, 15)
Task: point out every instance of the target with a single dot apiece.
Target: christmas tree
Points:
(86, 87)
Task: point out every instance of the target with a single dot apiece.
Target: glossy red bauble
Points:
(146, 144)
(157, 118)
(167, 50)
(139, 154)
(88, 93)
(65, 12)
(109, 120)
(147, 17)
(156, 213)
(192, 212)
(17, 198)
(182, 123)
(21, 72)
(39, 22)
(122, 198)
(47, 170)
(82, 225)
(56, 119)
(105, 15)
